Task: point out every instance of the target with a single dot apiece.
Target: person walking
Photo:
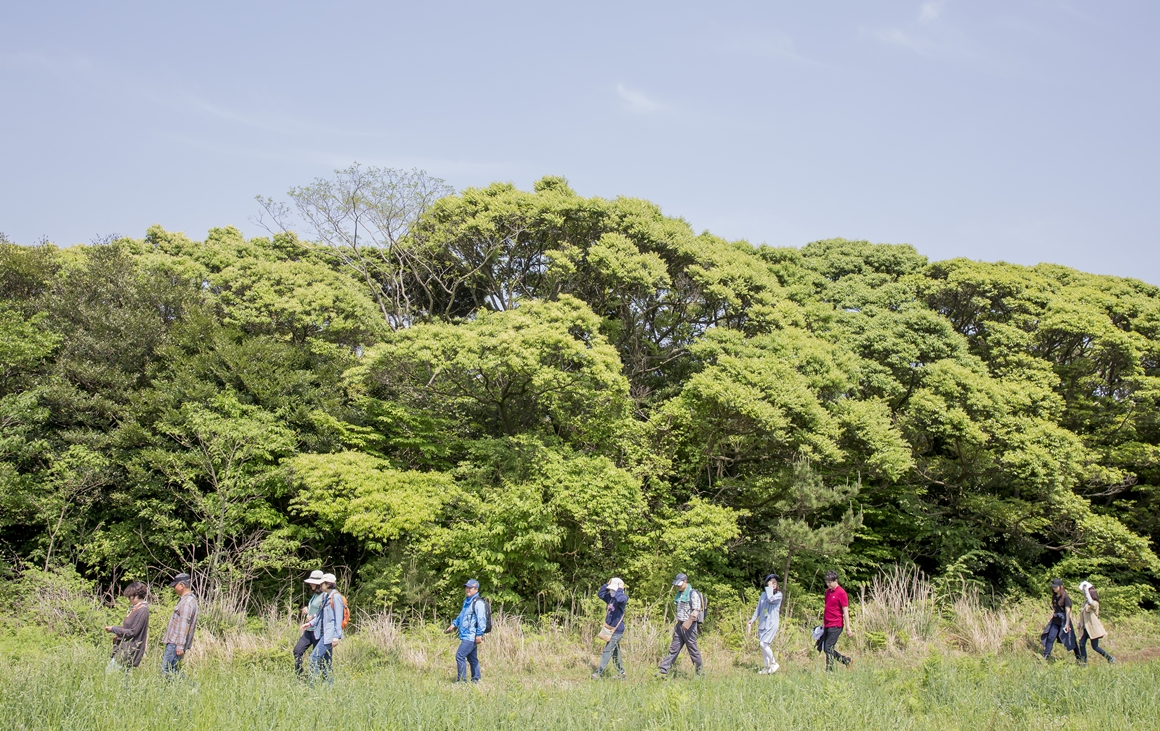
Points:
(614, 596)
(690, 613)
(1059, 627)
(835, 618)
(471, 624)
(767, 614)
(178, 637)
(309, 639)
(327, 627)
(1093, 628)
(131, 636)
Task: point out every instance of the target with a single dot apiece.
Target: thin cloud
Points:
(930, 11)
(765, 44)
(635, 101)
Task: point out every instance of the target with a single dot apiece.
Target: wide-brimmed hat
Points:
(316, 577)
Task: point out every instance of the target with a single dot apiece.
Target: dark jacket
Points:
(130, 638)
(614, 617)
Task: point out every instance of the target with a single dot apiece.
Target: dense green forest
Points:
(540, 390)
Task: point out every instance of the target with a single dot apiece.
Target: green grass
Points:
(67, 688)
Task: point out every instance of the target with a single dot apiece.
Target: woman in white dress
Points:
(768, 618)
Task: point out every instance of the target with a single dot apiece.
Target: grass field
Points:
(67, 688)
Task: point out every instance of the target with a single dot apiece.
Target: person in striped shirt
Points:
(179, 633)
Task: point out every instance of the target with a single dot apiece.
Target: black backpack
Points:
(486, 610)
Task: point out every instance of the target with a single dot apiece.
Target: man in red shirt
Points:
(834, 619)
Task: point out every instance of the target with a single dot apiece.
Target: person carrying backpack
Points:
(690, 613)
(473, 622)
(328, 627)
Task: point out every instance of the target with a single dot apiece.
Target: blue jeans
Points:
(468, 652)
(612, 653)
(170, 662)
(322, 662)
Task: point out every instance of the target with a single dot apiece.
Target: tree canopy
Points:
(539, 389)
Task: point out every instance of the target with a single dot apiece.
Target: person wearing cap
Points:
(1059, 627)
(179, 632)
(614, 596)
(310, 635)
(1092, 627)
(327, 628)
(690, 613)
(767, 614)
(471, 624)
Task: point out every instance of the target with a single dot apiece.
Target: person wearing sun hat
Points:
(309, 638)
(327, 626)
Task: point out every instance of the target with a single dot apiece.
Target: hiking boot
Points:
(848, 662)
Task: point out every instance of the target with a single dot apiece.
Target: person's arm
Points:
(183, 621)
(337, 610)
(604, 594)
(846, 618)
(1067, 616)
(756, 610)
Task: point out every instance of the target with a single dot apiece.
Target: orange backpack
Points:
(345, 609)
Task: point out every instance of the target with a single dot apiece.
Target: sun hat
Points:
(329, 579)
(315, 578)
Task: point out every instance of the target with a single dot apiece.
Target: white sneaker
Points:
(773, 668)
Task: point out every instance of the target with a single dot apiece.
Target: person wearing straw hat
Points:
(310, 636)
(767, 614)
(614, 596)
(328, 628)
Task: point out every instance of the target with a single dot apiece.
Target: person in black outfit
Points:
(1060, 626)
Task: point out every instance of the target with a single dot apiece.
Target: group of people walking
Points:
(327, 614)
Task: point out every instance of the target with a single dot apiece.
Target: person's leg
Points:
(465, 647)
(616, 638)
(767, 655)
(169, 661)
(473, 660)
(609, 651)
(829, 639)
(1102, 651)
(326, 662)
(305, 644)
(1081, 648)
(1049, 643)
(691, 643)
(316, 661)
(674, 649)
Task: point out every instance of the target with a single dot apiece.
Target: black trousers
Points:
(829, 639)
(1095, 646)
(305, 645)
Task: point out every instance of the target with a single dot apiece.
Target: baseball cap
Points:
(180, 579)
(315, 577)
(1057, 582)
(680, 578)
(472, 584)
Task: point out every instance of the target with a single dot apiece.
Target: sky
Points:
(1015, 130)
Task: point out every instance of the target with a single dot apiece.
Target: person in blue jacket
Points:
(614, 596)
(327, 628)
(471, 623)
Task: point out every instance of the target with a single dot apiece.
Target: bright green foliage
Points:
(540, 390)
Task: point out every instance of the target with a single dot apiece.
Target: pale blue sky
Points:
(1016, 130)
